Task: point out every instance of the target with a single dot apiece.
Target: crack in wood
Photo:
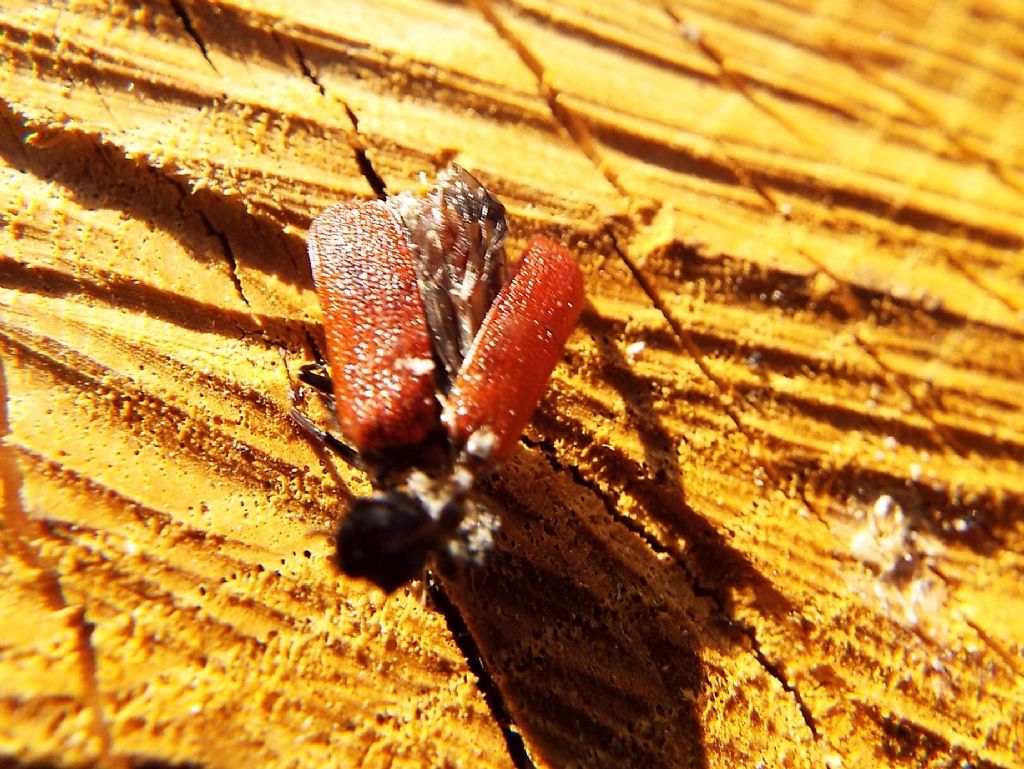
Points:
(712, 594)
(363, 160)
(686, 343)
(229, 255)
(25, 532)
(649, 539)
(486, 683)
(577, 129)
(359, 149)
(775, 671)
(190, 29)
(211, 230)
(572, 124)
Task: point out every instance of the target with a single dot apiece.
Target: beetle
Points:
(439, 353)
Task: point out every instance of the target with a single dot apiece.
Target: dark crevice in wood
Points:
(649, 538)
(485, 683)
(190, 29)
(307, 69)
(225, 244)
(359, 151)
(363, 161)
(775, 671)
(572, 124)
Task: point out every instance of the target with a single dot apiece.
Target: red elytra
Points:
(377, 339)
(516, 349)
(419, 312)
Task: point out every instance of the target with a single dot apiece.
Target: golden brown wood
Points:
(770, 512)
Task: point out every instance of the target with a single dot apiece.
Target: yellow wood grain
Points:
(771, 510)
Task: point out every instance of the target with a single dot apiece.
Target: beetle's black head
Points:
(386, 539)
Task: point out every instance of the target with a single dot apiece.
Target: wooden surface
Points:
(770, 512)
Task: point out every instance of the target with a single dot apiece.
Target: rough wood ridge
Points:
(770, 512)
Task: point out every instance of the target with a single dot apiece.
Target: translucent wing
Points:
(457, 231)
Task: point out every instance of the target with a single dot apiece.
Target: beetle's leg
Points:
(331, 441)
(318, 376)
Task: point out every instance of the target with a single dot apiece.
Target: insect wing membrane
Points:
(378, 344)
(458, 231)
(517, 347)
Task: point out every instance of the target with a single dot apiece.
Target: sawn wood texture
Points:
(769, 513)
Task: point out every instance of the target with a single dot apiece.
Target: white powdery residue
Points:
(481, 443)
(416, 366)
(633, 350)
(691, 32)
